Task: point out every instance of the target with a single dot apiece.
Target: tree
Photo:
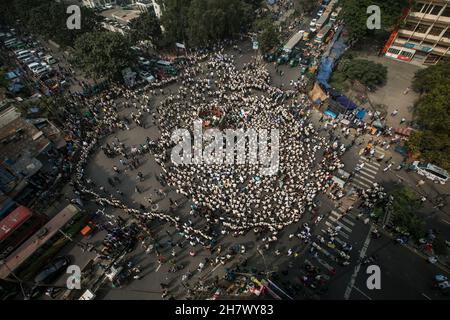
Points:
(269, 38)
(47, 18)
(174, 20)
(427, 79)
(367, 72)
(202, 22)
(405, 208)
(102, 54)
(355, 15)
(146, 27)
(432, 114)
(307, 6)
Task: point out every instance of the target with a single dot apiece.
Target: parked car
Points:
(320, 12)
(312, 25)
(147, 76)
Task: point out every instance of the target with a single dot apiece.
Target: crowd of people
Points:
(237, 197)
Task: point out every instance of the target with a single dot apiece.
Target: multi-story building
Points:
(423, 37)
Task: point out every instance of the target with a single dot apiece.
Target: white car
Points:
(147, 76)
(313, 23)
(320, 12)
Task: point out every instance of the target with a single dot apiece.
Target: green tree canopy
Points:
(367, 72)
(432, 114)
(405, 211)
(48, 19)
(269, 37)
(146, 27)
(307, 6)
(201, 22)
(102, 54)
(355, 15)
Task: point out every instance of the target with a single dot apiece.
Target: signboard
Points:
(426, 49)
(404, 58)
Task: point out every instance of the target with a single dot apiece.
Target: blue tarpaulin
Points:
(361, 114)
(325, 70)
(346, 103)
(331, 114)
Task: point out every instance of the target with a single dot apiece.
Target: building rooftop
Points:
(20, 139)
(121, 15)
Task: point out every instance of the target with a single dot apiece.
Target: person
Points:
(394, 113)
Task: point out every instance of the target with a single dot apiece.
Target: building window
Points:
(428, 44)
(422, 28)
(447, 33)
(410, 26)
(446, 12)
(407, 54)
(436, 31)
(436, 9)
(442, 48)
(394, 51)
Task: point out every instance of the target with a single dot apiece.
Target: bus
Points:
(431, 172)
(323, 33)
(17, 227)
(27, 259)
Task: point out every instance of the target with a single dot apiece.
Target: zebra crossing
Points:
(365, 177)
(326, 256)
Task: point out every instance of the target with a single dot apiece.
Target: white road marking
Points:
(367, 172)
(342, 233)
(362, 177)
(446, 221)
(365, 185)
(339, 241)
(334, 213)
(373, 170)
(347, 221)
(426, 296)
(348, 291)
(365, 295)
(344, 226)
(371, 163)
(159, 266)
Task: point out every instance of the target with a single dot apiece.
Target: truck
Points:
(293, 41)
(326, 14)
(335, 14)
(321, 35)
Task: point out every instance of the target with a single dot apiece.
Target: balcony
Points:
(430, 17)
(421, 36)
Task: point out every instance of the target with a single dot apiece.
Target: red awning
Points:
(12, 221)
